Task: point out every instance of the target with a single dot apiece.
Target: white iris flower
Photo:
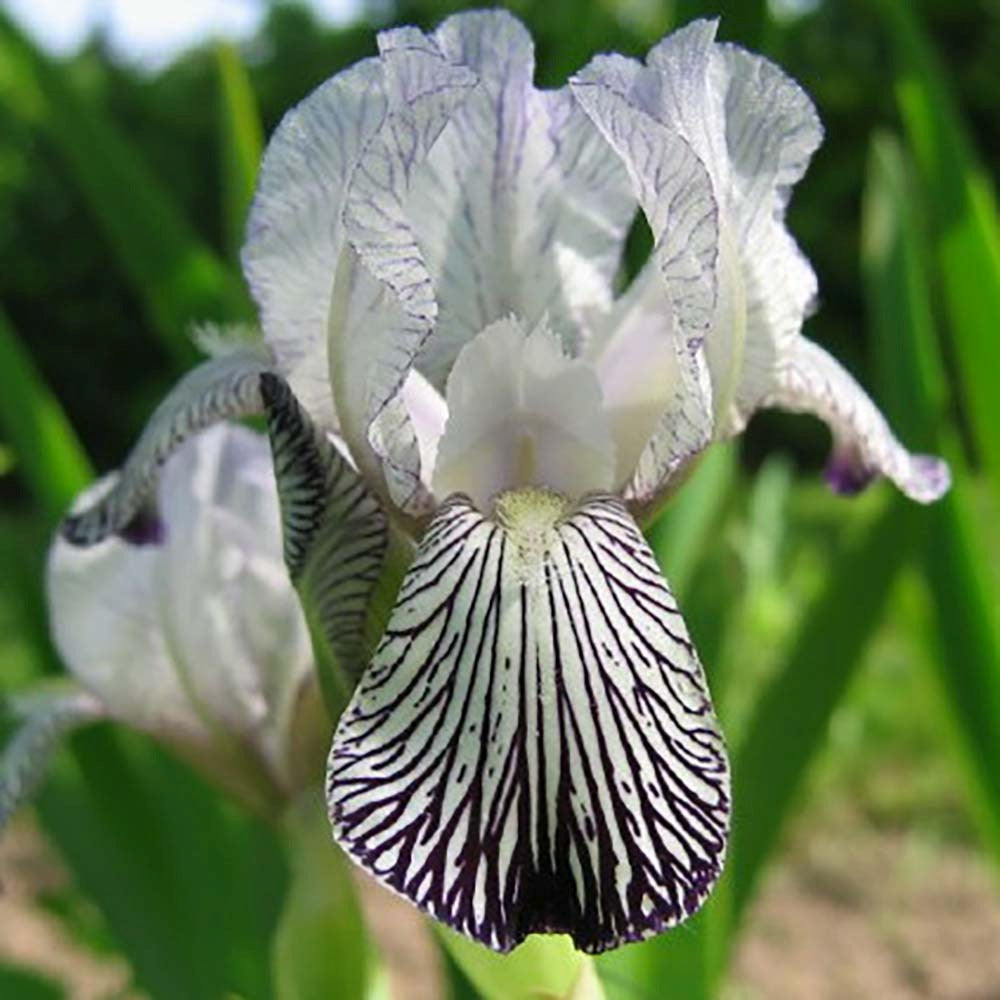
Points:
(199, 639)
(433, 247)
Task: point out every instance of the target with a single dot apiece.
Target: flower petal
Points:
(222, 388)
(383, 300)
(520, 413)
(755, 130)
(335, 533)
(811, 381)
(671, 182)
(200, 640)
(533, 747)
(46, 716)
(676, 194)
(521, 207)
(772, 130)
(295, 230)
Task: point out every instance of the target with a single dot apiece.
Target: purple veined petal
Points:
(533, 747)
(676, 193)
(811, 381)
(295, 230)
(684, 430)
(521, 206)
(383, 305)
(223, 388)
(772, 130)
(334, 532)
(672, 185)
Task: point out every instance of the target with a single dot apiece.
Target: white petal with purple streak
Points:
(533, 747)
(811, 381)
(520, 207)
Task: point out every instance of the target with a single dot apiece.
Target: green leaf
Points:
(679, 535)
(49, 456)
(242, 142)
(178, 278)
(320, 948)
(790, 719)
(24, 984)
(967, 635)
(962, 213)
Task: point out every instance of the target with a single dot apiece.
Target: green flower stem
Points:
(545, 967)
(320, 947)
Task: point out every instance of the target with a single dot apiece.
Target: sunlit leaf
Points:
(241, 139)
(790, 719)
(962, 213)
(967, 635)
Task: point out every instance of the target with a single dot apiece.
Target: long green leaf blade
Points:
(963, 217)
(242, 142)
(790, 720)
(178, 278)
(48, 453)
(966, 637)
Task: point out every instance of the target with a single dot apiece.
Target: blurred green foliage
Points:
(840, 658)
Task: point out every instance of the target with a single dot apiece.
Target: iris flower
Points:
(197, 639)
(434, 248)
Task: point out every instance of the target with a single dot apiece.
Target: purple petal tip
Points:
(146, 528)
(845, 475)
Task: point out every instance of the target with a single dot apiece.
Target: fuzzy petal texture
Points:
(532, 748)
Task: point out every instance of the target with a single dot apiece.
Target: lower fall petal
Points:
(811, 381)
(533, 748)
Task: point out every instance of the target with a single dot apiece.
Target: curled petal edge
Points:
(810, 381)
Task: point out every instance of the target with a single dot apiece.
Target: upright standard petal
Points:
(295, 230)
(754, 130)
(676, 194)
(383, 297)
(533, 747)
(811, 381)
(521, 207)
(223, 388)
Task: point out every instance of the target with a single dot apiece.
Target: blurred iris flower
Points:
(434, 248)
(198, 640)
